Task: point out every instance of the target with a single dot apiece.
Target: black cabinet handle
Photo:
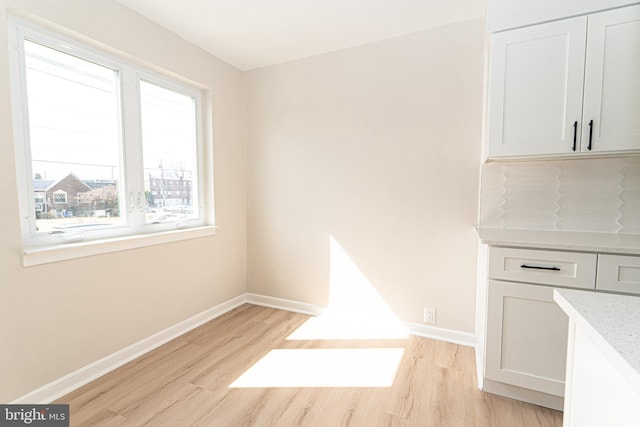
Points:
(575, 134)
(540, 268)
(590, 134)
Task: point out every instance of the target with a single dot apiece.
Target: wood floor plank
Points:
(187, 382)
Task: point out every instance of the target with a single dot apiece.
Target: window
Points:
(59, 196)
(39, 202)
(108, 136)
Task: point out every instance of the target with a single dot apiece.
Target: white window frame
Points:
(134, 232)
(59, 193)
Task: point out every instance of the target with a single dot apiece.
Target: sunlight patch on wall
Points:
(341, 367)
(356, 310)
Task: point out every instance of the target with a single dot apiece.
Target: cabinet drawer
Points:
(566, 269)
(619, 273)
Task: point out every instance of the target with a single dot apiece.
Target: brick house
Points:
(71, 196)
(169, 191)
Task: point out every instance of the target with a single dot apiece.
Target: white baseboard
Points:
(285, 304)
(530, 396)
(58, 388)
(70, 382)
(449, 335)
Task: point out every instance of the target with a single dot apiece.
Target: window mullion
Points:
(134, 196)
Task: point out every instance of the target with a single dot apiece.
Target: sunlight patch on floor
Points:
(339, 367)
(356, 311)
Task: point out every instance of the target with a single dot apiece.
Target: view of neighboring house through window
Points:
(73, 128)
(169, 169)
(109, 148)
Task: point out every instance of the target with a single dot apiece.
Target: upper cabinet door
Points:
(536, 86)
(612, 81)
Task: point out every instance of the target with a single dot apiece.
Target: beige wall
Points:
(51, 326)
(377, 147)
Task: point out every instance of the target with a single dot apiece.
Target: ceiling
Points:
(254, 33)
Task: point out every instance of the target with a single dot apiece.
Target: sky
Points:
(75, 115)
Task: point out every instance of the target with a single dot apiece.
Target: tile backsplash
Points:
(598, 195)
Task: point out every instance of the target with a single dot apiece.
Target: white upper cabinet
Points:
(566, 87)
(509, 14)
(612, 80)
(536, 88)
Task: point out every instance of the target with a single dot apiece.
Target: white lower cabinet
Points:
(619, 273)
(526, 331)
(525, 352)
(526, 337)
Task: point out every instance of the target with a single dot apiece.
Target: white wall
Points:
(59, 317)
(377, 146)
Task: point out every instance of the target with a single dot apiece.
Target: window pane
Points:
(169, 153)
(74, 140)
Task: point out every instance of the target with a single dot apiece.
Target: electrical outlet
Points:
(429, 315)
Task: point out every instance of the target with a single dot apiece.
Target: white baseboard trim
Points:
(530, 396)
(74, 380)
(285, 304)
(449, 335)
(64, 385)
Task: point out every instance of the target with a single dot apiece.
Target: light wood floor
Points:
(186, 383)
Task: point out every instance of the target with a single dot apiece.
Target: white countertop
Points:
(626, 244)
(612, 322)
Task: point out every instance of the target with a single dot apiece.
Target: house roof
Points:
(99, 183)
(92, 184)
(42, 184)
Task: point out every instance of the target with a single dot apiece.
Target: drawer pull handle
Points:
(537, 267)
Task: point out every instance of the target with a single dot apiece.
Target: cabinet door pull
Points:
(575, 134)
(537, 267)
(590, 134)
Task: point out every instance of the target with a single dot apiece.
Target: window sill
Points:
(47, 254)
